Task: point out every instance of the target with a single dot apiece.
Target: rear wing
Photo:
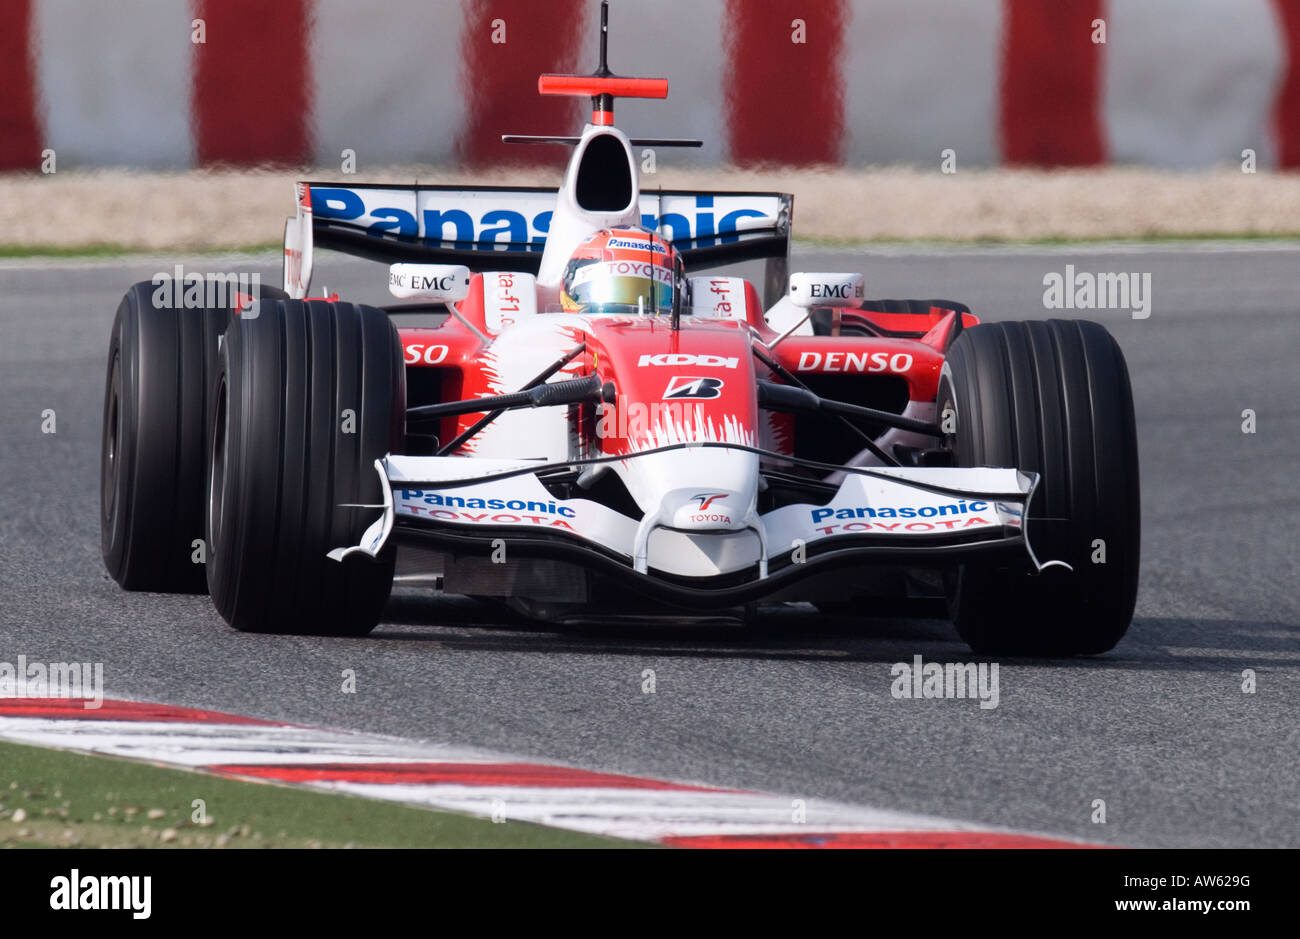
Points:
(503, 228)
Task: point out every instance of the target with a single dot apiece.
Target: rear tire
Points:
(1052, 398)
(154, 436)
(286, 458)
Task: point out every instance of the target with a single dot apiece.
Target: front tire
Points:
(307, 396)
(1051, 398)
(154, 435)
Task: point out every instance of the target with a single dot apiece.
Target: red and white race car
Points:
(602, 428)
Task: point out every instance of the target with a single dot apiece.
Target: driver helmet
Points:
(623, 270)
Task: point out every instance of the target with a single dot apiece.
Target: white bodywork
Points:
(446, 282)
(885, 503)
(571, 223)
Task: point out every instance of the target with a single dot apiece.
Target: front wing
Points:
(889, 515)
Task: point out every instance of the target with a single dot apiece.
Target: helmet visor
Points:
(621, 286)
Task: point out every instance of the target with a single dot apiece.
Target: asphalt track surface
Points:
(1160, 729)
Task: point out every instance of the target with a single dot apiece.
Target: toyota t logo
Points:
(706, 499)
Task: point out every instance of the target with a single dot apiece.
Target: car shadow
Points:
(802, 633)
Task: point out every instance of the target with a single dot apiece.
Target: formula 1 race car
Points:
(600, 429)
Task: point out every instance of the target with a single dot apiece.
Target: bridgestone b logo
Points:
(685, 386)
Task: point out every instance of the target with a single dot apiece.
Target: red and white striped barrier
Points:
(477, 782)
(1180, 83)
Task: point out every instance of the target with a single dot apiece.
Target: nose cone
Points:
(696, 489)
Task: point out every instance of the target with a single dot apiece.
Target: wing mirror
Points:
(449, 282)
(809, 289)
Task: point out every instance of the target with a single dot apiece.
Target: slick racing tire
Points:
(154, 433)
(1051, 398)
(307, 396)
